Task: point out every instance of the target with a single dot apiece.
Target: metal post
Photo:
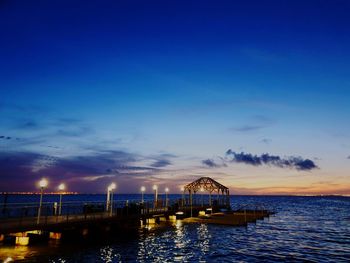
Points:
(228, 198)
(40, 204)
(108, 198)
(183, 197)
(60, 207)
(111, 203)
(166, 199)
(142, 196)
(155, 197)
(191, 201)
(218, 198)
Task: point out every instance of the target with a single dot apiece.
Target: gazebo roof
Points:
(207, 183)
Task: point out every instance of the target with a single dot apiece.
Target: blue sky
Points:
(136, 84)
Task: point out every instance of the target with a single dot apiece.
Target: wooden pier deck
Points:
(90, 218)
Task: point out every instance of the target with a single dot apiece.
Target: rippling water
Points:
(313, 229)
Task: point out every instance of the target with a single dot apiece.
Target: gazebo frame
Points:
(210, 185)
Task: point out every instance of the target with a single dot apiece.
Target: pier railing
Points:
(30, 209)
(21, 215)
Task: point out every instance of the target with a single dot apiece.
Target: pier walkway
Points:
(49, 220)
(94, 218)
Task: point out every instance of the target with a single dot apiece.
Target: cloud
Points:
(257, 122)
(27, 125)
(168, 155)
(349, 157)
(266, 141)
(265, 159)
(74, 132)
(68, 121)
(161, 163)
(20, 170)
(210, 163)
(247, 128)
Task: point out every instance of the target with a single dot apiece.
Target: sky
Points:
(254, 94)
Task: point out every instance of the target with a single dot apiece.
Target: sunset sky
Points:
(255, 94)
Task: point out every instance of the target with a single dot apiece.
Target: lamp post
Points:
(210, 198)
(183, 195)
(61, 188)
(108, 199)
(143, 189)
(202, 190)
(42, 184)
(191, 201)
(111, 187)
(155, 188)
(166, 196)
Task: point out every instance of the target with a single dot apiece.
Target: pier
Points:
(23, 224)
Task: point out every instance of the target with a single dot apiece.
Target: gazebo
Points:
(212, 187)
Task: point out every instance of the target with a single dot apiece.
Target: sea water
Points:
(311, 229)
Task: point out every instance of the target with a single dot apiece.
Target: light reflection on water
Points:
(109, 255)
(313, 229)
(16, 253)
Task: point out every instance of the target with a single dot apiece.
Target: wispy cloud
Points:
(247, 128)
(298, 163)
(161, 163)
(5, 137)
(257, 123)
(266, 141)
(210, 163)
(27, 125)
(75, 131)
(28, 167)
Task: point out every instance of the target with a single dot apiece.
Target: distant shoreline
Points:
(77, 193)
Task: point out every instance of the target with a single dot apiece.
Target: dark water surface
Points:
(311, 229)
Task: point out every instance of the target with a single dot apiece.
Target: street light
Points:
(166, 196)
(111, 187)
(183, 195)
(61, 188)
(155, 188)
(42, 184)
(143, 189)
(202, 190)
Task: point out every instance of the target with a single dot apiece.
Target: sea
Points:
(303, 229)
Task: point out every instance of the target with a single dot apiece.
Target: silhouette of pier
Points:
(21, 222)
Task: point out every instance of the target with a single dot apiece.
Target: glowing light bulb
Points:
(61, 187)
(43, 183)
(112, 186)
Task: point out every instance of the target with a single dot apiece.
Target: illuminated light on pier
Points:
(155, 188)
(143, 189)
(8, 259)
(110, 189)
(43, 183)
(166, 196)
(61, 188)
(112, 186)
